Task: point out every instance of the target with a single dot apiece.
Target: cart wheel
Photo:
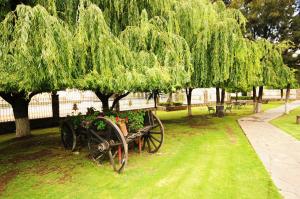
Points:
(68, 136)
(109, 142)
(154, 138)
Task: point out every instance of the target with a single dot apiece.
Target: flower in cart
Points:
(117, 118)
(126, 119)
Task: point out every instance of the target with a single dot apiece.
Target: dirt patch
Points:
(31, 156)
(65, 174)
(200, 122)
(231, 135)
(17, 145)
(6, 178)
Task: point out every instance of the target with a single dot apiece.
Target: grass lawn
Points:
(288, 123)
(202, 157)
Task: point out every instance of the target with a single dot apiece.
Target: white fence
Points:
(41, 106)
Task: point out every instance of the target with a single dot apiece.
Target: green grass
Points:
(202, 157)
(288, 123)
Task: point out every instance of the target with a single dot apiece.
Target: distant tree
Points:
(274, 20)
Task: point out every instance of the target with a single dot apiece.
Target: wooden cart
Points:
(112, 142)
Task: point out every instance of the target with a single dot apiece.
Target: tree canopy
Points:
(35, 52)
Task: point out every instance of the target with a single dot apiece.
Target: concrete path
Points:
(279, 152)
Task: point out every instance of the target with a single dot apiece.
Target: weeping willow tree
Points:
(274, 72)
(213, 34)
(247, 68)
(105, 65)
(35, 56)
(163, 57)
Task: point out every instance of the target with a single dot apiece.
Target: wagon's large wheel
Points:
(109, 142)
(153, 139)
(68, 136)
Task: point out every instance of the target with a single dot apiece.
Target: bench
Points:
(211, 108)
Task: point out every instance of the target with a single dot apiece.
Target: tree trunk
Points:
(217, 95)
(20, 109)
(19, 103)
(223, 96)
(55, 107)
(104, 98)
(188, 92)
(236, 96)
(220, 105)
(281, 94)
(259, 101)
(254, 99)
(170, 98)
(117, 104)
(287, 97)
(116, 101)
(155, 99)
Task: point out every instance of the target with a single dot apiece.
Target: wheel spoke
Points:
(100, 156)
(144, 143)
(152, 143)
(148, 143)
(116, 152)
(112, 162)
(155, 138)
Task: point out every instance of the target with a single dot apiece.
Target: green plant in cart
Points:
(135, 120)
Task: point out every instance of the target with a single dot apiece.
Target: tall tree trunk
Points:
(236, 96)
(254, 98)
(104, 98)
(287, 97)
(223, 96)
(19, 103)
(188, 92)
(218, 95)
(281, 94)
(259, 101)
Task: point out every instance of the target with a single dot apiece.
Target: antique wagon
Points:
(108, 139)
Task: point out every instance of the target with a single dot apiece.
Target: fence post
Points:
(55, 107)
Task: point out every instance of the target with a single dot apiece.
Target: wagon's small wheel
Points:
(82, 136)
(68, 136)
(154, 138)
(95, 142)
(110, 142)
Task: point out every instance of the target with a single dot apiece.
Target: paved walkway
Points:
(279, 152)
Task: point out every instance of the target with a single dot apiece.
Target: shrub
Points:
(170, 104)
(242, 98)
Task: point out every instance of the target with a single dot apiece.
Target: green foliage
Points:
(35, 51)
(170, 104)
(133, 45)
(163, 57)
(242, 98)
(135, 120)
